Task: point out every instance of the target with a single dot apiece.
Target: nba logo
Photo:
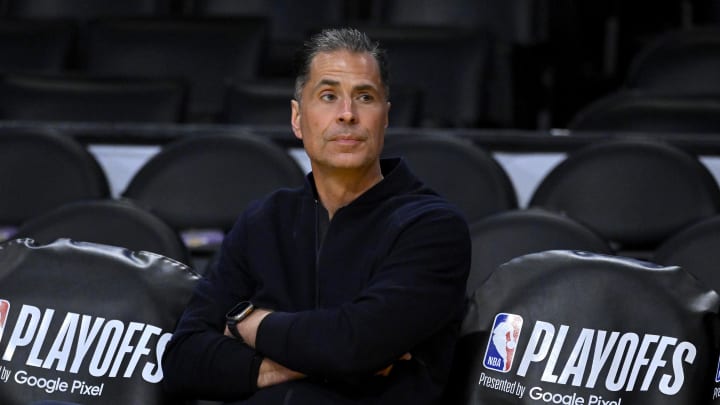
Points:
(717, 372)
(502, 342)
(4, 309)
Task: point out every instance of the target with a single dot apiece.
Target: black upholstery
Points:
(453, 80)
(206, 181)
(633, 192)
(679, 62)
(104, 313)
(205, 53)
(259, 102)
(85, 99)
(462, 172)
(85, 9)
(290, 22)
(108, 222)
(32, 45)
(41, 171)
(506, 235)
(696, 249)
(647, 112)
(560, 326)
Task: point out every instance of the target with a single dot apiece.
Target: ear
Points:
(387, 114)
(295, 118)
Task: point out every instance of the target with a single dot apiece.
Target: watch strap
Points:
(232, 327)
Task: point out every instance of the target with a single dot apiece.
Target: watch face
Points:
(239, 311)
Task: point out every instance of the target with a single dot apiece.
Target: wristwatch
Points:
(239, 312)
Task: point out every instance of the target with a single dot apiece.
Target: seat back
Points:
(86, 323)
(259, 102)
(205, 182)
(40, 171)
(679, 62)
(109, 222)
(695, 248)
(650, 112)
(579, 328)
(449, 65)
(85, 9)
(70, 98)
(632, 192)
(205, 53)
(503, 236)
(460, 171)
(46, 45)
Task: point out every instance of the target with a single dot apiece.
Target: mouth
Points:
(347, 139)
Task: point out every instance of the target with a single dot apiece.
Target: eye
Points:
(366, 98)
(328, 96)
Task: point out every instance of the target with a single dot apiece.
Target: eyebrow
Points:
(335, 83)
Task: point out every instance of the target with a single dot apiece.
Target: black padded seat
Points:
(204, 182)
(679, 62)
(36, 45)
(695, 248)
(40, 171)
(632, 192)
(462, 172)
(206, 53)
(650, 113)
(109, 222)
(90, 99)
(506, 235)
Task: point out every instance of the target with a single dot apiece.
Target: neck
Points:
(339, 188)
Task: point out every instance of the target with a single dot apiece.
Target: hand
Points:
(386, 371)
(272, 373)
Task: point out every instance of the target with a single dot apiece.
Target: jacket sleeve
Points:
(418, 289)
(199, 361)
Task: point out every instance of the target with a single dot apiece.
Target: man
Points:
(351, 288)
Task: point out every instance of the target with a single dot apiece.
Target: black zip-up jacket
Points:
(385, 277)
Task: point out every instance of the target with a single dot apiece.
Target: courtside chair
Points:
(679, 62)
(650, 113)
(633, 192)
(205, 53)
(696, 249)
(91, 99)
(462, 172)
(506, 235)
(110, 222)
(40, 171)
(36, 45)
(201, 184)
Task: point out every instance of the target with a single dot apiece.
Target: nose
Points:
(347, 114)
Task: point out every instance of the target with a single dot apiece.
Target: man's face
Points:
(343, 113)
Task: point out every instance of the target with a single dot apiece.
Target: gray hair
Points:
(337, 39)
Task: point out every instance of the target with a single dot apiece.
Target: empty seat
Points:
(649, 112)
(108, 222)
(205, 53)
(457, 169)
(506, 235)
(74, 98)
(634, 193)
(291, 22)
(42, 171)
(84, 9)
(696, 249)
(679, 62)
(199, 185)
(450, 67)
(38, 46)
(259, 102)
